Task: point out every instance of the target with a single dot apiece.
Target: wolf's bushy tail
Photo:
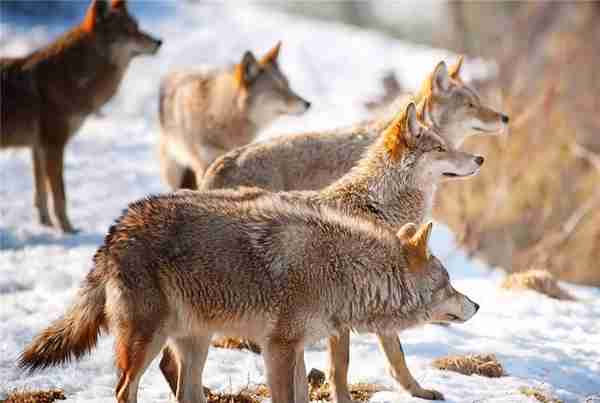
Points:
(71, 336)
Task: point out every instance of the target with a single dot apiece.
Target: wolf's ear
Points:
(440, 80)
(407, 231)
(454, 71)
(415, 244)
(413, 128)
(394, 136)
(248, 70)
(96, 13)
(272, 55)
(421, 240)
(120, 5)
(418, 245)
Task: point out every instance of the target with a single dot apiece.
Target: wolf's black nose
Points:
(505, 119)
(158, 43)
(479, 160)
(476, 306)
(306, 104)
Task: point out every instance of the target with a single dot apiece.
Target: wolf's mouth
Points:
(480, 129)
(455, 175)
(453, 318)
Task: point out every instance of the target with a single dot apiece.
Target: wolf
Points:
(204, 114)
(47, 95)
(393, 184)
(175, 269)
(314, 160)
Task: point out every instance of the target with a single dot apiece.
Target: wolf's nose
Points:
(306, 104)
(479, 160)
(505, 119)
(476, 306)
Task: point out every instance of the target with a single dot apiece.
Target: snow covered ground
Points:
(541, 342)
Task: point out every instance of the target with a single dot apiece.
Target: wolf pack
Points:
(282, 242)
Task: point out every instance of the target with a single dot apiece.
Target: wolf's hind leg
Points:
(171, 171)
(390, 345)
(134, 351)
(190, 354)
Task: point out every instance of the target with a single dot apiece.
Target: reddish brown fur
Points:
(394, 137)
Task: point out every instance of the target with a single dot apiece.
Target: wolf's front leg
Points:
(391, 346)
(280, 362)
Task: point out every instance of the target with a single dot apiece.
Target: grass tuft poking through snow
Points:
(35, 396)
(475, 364)
(540, 281)
(539, 395)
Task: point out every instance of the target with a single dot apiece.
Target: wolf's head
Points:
(438, 300)
(117, 30)
(267, 90)
(421, 155)
(455, 109)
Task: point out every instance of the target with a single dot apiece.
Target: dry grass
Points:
(476, 364)
(361, 392)
(319, 389)
(537, 280)
(236, 344)
(37, 396)
(247, 395)
(539, 395)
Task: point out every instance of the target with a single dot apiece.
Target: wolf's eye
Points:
(470, 104)
(439, 149)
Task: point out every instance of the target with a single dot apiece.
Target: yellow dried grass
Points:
(538, 394)
(540, 281)
(473, 364)
(36, 396)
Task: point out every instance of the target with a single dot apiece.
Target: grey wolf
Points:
(176, 269)
(206, 113)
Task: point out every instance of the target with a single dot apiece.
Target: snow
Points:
(112, 161)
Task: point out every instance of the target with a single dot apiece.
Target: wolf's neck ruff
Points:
(379, 188)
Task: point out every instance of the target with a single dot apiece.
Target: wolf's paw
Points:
(69, 229)
(427, 394)
(45, 220)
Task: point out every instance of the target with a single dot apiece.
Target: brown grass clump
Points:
(236, 344)
(359, 391)
(319, 389)
(538, 394)
(36, 396)
(537, 280)
(475, 364)
(246, 395)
